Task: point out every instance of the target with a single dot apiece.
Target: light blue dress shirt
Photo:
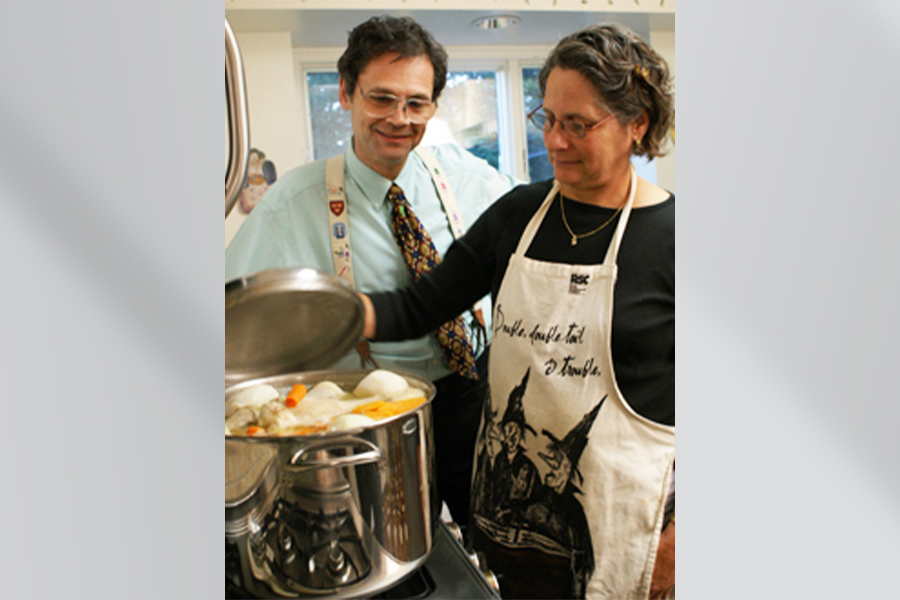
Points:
(289, 228)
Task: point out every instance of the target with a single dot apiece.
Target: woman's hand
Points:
(664, 571)
(369, 322)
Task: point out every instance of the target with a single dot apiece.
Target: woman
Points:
(574, 502)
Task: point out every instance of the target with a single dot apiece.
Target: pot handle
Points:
(238, 127)
(303, 461)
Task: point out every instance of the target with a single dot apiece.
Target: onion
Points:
(380, 383)
(253, 397)
(350, 421)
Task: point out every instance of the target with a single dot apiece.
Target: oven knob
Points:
(491, 579)
(487, 573)
(455, 530)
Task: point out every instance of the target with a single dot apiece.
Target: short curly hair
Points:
(383, 34)
(627, 73)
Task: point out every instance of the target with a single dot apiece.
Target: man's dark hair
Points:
(383, 34)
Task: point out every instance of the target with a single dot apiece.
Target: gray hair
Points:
(630, 77)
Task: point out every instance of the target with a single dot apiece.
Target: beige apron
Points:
(570, 483)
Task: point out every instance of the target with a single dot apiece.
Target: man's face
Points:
(384, 143)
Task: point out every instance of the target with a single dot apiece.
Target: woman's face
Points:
(603, 155)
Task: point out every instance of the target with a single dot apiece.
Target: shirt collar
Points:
(374, 186)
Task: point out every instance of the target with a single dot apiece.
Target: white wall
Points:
(272, 101)
(664, 43)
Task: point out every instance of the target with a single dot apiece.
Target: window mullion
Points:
(516, 106)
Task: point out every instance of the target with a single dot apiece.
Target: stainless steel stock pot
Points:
(341, 514)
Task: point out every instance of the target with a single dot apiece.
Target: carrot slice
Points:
(253, 430)
(298, 391)
(382, 410)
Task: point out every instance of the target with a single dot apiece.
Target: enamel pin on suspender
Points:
(339, 223)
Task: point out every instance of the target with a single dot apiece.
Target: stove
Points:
(449, 573)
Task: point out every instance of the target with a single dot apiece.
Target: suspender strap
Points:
(444, 191)
(451, 209)
(339, 233)
(338, 208)
(338, 220)
(339, 223)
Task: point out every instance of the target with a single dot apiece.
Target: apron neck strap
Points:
(612, 252)
(535, 222)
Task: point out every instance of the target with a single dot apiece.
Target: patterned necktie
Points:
(421, 256)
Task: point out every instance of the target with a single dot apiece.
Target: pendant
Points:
(574, 240)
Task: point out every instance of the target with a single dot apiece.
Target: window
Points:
(483, 108)
(331, 128)
(467, 114)
(539, 167)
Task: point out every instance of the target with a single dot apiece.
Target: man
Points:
(339, 216)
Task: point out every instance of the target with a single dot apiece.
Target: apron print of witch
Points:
(516, 504)
(576, 510)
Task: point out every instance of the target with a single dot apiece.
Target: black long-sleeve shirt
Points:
(643, 329)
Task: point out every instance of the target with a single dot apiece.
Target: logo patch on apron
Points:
(578, 283)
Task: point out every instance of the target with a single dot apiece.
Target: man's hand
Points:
(664, 571)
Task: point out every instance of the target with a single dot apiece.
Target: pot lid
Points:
(288, 320)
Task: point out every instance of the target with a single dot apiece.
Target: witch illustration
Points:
(556, 511)
(516, 476)
(490, 443)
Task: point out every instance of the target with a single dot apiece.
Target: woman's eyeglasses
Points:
(381, 106)
(572, 128)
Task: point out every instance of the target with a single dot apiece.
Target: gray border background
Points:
(111, 334)
(787, 265)
(111, 337)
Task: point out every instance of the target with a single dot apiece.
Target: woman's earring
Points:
(636, 147)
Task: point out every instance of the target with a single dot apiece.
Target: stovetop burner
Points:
(448, 573)
(331, 541)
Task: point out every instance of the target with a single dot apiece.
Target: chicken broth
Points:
(262, 410)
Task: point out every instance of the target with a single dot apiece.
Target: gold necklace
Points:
(577, 236)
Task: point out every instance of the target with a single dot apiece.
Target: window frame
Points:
(506, 61)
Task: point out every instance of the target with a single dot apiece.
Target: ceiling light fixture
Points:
(496, 22)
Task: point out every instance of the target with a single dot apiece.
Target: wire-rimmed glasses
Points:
(381, 105)
(570, 127)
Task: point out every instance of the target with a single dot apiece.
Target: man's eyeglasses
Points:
(380, 106)
(575, 129)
